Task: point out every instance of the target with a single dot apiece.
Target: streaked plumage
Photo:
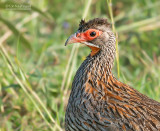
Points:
(98, 101)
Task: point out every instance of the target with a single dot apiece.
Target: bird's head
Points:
(95, 34)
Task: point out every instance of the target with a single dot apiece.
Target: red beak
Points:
(74, 39)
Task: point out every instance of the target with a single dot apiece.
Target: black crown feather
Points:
(93, 23)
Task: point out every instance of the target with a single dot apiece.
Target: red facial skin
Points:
(85, 36)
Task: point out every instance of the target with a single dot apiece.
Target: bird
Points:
(98, 101)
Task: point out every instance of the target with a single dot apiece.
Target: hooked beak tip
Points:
(66, 42)
(70, 40)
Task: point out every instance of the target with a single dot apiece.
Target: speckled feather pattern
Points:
(99, 102)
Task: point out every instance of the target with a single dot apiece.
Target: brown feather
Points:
(98, 101)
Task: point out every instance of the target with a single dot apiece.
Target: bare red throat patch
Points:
(94, 49)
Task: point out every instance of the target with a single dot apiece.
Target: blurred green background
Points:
(36, 69)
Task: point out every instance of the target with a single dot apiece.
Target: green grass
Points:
(36, 69)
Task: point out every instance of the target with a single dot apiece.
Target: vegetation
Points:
(36, 69)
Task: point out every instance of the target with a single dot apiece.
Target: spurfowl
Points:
(98, 101)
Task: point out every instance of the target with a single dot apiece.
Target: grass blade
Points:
(109, 2)
(75, 49)
(16, 32)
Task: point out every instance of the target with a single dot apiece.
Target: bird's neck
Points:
(102, 62)
(95, 68)
(100, 66)
(93, 71)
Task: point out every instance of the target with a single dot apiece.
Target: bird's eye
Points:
(93, 33)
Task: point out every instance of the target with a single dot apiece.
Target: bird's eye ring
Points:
(93, 33)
